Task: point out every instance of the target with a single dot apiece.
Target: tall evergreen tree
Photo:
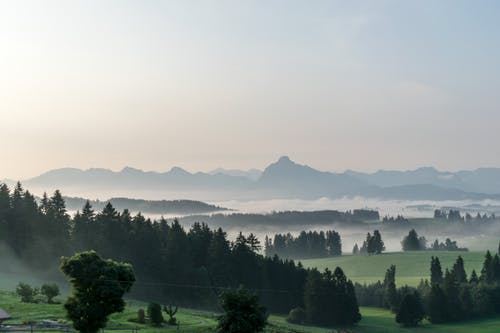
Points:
(487, 274)
(391, 294)
(436, 271)
(411, 311)
(437, 305)
(458, 271)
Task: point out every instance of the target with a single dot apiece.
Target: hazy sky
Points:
(201, 84)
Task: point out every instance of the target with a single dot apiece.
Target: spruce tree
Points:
(458, 271)
(436, 271)
(411, 311)
(355, 249)
(437, 306)
(451, 291)
(379, 246)
(390, 294)
(474, 279)
(487, 274)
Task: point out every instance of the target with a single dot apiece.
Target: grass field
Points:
(374, 320)
(382, 321)
(410, 266)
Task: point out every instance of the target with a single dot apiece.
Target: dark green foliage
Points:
(26, 292)
(98, 288)
(448, 245)
(437, 305)
(330, 299)
(452, 293)
(141, 316)
(458, 271)
(373, 244)
(242, 312)
(297, 316)
(154, 314)
(161, 252)
(412, 242)
(436, 271)
(50, 290)
(411, 311)
(391, 299)
(490, 273)
(311, 244)
(474, 279)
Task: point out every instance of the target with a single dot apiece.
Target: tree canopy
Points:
(98, 287)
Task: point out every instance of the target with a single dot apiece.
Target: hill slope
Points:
(410, 266)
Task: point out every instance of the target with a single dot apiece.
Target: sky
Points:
(337, 85)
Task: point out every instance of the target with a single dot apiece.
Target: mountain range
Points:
(281, 179)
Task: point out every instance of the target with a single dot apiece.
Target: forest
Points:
(290, 218)
(448, 296)
(186, 268)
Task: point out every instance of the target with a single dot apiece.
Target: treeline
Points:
(147, 206)
(412, 242)
(453, 215)
(400, 219)
(311, 244)
(172, 265)
(373, 244)
(446, 297)
(323, 217)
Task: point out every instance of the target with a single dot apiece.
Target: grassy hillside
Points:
(410, 266)
(374, 320)
(191, 321)
(382, 321)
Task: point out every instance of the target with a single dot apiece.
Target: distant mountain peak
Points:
(128, 169)
(178, 171)
(285, 160)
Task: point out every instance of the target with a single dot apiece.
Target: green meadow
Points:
(410, 266)
(191, 321)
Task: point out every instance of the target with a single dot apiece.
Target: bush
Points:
(242, 312)
(296, 316)
(141, 316)
(26, 292)
(50, 290)
(154, 314)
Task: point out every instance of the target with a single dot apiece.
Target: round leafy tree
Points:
(98, 289)
(242, 313)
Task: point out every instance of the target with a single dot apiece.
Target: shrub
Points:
(242, 312)
(296, 316)
(49, 290)
(26, 292)
(154, 314)
(141, 316)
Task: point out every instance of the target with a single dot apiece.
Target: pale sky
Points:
(337, 85)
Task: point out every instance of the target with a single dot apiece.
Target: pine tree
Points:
(254, 243)
(487, 274)
(391, 294)
(355, 249)
(436, 272)
(437, 305)
(451, 291)
(379, 244)
(411, 311)
(458, 271)
(474, 279)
